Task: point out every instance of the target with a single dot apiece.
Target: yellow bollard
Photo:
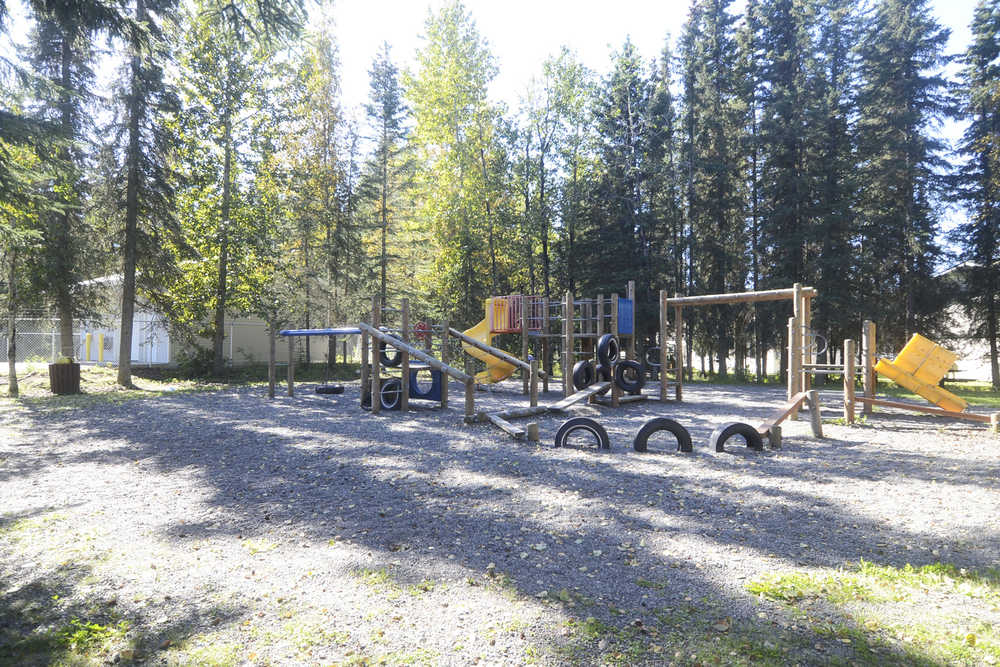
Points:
(89, 336)
(100, 347)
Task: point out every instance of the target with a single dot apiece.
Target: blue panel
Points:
(626, 317)
(433, 393)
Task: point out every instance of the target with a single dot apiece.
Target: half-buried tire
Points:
(578, 425)
(629, 376)
(391, 393)
(583, 374)
(662, 424)
(726, 431)
(607, 350)
(391, 361)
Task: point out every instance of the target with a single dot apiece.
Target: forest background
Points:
(769, 143)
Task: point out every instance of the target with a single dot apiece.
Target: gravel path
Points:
(227, 527)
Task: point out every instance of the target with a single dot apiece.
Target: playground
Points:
(234, 529)
(610, 513)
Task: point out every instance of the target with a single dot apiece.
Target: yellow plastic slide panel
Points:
(940, 397)
(925, 360)
(496, 369)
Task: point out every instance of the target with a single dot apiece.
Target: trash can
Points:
(64, 378)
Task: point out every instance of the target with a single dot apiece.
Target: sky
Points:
(523, 33)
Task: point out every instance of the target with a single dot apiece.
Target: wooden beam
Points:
(604, 400)
(436, 364)
(967, 416)
(786, 410)
(517, 413)
(533, 389)
(546, 351)
(506, 426)
(525, 379)
(581, 395)
(739, 297)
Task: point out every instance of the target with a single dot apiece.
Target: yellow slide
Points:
(496, 369)
(919, 366)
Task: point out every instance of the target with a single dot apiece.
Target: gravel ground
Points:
(228, 528)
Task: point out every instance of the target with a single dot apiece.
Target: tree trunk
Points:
(131, 214)
(991, 332)
(218, 360)
(12, 388)
(544, 222)
(60, 232)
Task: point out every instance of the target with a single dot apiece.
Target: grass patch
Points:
(76, 643)
(928, 614)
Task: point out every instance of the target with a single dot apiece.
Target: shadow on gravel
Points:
(619, 532)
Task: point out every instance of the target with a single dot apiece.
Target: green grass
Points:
(75, 643)
(930, 614)
(98, 383)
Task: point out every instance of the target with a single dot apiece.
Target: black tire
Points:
(586, 424)
(633, 385)
(607, 350)
(655, 362)
(604, 373)
(330, 389)
(389, 361)
(391, 394)
(583, 374)
(725, 431)
(366, 397)
(662, 424)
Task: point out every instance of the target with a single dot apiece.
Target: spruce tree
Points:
(902, 97)
(979, 180)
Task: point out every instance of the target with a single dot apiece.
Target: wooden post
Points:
(365, 371)
(774, 437)
(376, 377)
(815, 418)
(616, 394)
(663, 345)
(404, 380)
(445, 358)
(679, 351)
(532, 434)
(271, 365)
(868, 379)
(798, 311)
(525, 380)
(546, 351)
(533, 395)
(600, 315)
(291, 366)
(808, 340)
(567, 356)
(470, 401)
(614, 322)
(344, 349)
(793, 366)
(630, 290)
(849, 381)
(995, 422)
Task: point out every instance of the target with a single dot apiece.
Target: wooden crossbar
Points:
(581, 395)
(786, 410)
(416, 352)
(968, 416)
